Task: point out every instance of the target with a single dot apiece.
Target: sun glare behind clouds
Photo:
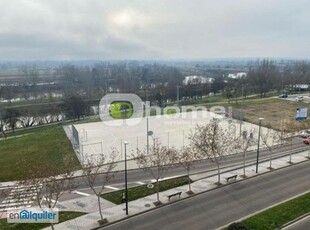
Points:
(131, 18)
(125, 18)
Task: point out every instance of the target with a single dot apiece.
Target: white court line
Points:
(81, 193)
(113, 188)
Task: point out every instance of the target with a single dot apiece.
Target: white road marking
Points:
(17, 207)
(15, 204)
(113, 188)
(16, 200)
(12, 196)
(166, 178)
(20, 196)
(51, 200)
(81, 193)
(139, 182)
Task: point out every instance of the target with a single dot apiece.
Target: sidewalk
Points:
(202, 183)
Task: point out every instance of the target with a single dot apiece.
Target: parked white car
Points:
(305, 133)
(299, 98)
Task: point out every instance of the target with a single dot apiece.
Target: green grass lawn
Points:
(63, 216)
(279, 215)
(42, 145)
(138, 192)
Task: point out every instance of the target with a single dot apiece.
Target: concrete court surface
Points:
(100, 137)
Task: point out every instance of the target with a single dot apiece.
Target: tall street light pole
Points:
(126, 184)
(149, 133)
(257, 156)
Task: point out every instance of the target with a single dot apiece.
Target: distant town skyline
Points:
(153, 29)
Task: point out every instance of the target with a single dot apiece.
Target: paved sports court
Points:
(93, 139)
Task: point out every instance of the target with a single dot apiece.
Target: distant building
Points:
(195, 80)
(302, 87)
(237, 75)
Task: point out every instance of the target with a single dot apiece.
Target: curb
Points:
(294, 221)
(264, 209)
(251, 164)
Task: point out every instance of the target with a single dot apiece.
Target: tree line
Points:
(156, 83)
(266, 76)
(70, 108)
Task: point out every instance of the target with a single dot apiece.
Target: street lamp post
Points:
(126, 184)
(257, 156)
(149, 133)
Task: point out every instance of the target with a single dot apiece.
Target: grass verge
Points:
(279, 215)
(63, 216)
(135, 193)
(44, 145)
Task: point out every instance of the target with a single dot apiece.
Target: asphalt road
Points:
(219, 207)
(138, 175)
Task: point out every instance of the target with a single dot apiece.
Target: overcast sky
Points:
(153, 29)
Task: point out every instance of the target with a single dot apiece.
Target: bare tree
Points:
(12, 117)
(26, 117)
(244, 145)
(157, 162)
(45, 182)
(308, 151)
(263, 76)
(8, 91)
(269, 138)
(75, 107)
(32, 75)
(2, 123)
(288, 136)
(97, 173)
(188, 157)
(213, 142)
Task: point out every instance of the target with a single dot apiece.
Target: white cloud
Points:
(103, 29)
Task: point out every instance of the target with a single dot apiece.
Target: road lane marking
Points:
(81, 193)
(141, 183)
(113, 188)
(166, 178)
